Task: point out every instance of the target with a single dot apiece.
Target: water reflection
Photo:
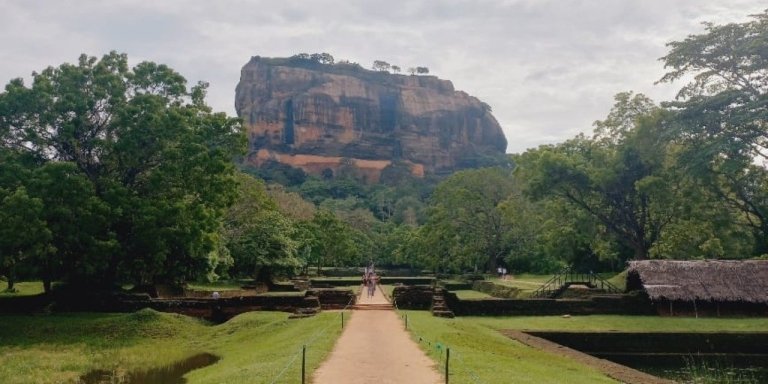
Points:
(171, 374)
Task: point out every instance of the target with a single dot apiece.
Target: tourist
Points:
(371, 285)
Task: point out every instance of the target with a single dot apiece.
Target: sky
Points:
(548, 68)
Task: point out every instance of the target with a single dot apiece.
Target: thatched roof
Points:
(711, 280)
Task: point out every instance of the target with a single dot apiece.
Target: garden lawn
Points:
(525, 282)
(24, 288)
(223, 285)
(479, 353)
(254, 347)
(468, 294)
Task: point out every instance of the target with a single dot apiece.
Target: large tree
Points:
(23, 232)
(259, 237)
(149, 149)
(620, 177)
(723, 113)
(466, 227)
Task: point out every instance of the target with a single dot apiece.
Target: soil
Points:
(375, 348)
(619, 372)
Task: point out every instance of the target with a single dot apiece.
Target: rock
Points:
(341, 117)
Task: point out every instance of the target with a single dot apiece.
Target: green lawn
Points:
(479, 353)
(529, 283)
(468, 294)
(223, 285)
(604, 323)
(254, 347)
(24, 288)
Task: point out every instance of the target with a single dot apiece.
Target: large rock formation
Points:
(318, 117)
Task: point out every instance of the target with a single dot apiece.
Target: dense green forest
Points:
(112, 175)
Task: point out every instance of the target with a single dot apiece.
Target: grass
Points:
(528, 283)
(254, 347)
(222, 285)
(468, 294)
(607, 323)
(24, 288)
(279, 293)
(479, 353)
(619, 280)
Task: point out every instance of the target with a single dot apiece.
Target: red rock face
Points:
(312, 116)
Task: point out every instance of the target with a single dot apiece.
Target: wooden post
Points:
(447, 359)
(406, 321)
(342, 319)
(695, 311)
(303, 363)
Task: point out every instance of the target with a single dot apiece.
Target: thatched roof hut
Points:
(710, 280)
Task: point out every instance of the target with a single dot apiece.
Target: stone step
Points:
(368, 307)
(448, 314)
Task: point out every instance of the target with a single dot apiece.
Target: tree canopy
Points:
(150, 167)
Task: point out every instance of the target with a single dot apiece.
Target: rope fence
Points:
(308, 342)
(444, 351)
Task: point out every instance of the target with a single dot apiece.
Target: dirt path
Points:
(374, 348)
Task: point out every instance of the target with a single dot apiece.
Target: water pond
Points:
(685, 357)
(171, 374)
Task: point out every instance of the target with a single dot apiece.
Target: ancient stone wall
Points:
(619, 305)
(413, 296)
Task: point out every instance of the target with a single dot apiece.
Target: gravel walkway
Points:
(375, 348)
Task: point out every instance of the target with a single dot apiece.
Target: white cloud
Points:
(548, 68)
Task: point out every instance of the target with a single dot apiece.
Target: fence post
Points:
(303, 362)
(406, 321)
(447, 359)
(342, 319)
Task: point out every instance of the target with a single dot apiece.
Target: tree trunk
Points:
(47, 273)
(641, 253)
(11, 278)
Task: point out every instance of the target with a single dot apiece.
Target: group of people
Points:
(370, 279)
(502, 271)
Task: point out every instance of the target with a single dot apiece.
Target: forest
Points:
(112, 175)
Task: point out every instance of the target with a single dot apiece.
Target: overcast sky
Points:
(547, 68)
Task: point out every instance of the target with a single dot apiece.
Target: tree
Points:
(322, 58)
(326, 58)
(23, 232)
(78, 221)
(332, 241)
(291, 204)
(623, 181)
(259, 238)
(422, 70)
(722, 114)
(151, 151)
(396, 69)
(465, 223)
(379, 65)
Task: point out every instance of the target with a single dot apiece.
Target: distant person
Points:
(499, 272)
(503, 273)
(371, 285)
